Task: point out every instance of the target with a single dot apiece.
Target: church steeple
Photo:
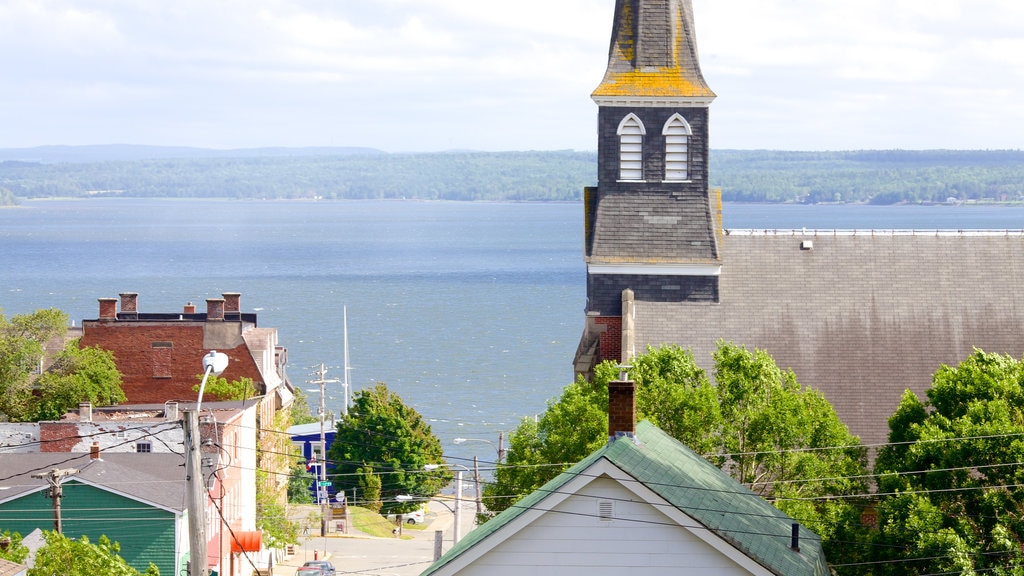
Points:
(652, 225)
(653, 55)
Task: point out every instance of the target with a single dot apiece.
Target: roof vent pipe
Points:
(794, 539)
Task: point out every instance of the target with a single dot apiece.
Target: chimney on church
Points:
(621, 406)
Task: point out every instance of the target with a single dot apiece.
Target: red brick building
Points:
(159, 355)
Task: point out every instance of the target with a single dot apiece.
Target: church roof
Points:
(713, 500)
(859, 315)
(653, 54)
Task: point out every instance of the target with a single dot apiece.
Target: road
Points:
(355, 554)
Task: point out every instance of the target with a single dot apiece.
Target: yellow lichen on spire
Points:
(662, 81)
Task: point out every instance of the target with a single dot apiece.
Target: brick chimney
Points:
(108, 308)
(85, 411)
(130, 305)
(214, 308)
(94, 451)
(621, 407)
(190, 308)
(170, 410)
(232, 301)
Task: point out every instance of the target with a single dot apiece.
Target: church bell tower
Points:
(652, 226)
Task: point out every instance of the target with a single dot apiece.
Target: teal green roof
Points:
(695, 487)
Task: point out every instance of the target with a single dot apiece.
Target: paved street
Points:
(356, 554)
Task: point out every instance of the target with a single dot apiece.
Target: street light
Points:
(457, 524)
(213, 363)
(499, 447)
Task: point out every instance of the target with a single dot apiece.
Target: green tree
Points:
(221, 389)
(62, 556)
(382, 433)
(756, 422)
(22, 345)
(7, 197)
(74, 375)
(11, 547)
(950, 478)
(272, 516)
(301, 414)
(78, 375)
(299, 481)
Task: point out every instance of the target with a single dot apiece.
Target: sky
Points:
(433, 75)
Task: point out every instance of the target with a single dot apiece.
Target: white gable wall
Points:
(572, 539)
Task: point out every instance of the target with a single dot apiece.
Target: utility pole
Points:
(53, 477)
(321, 485)
(196, 501)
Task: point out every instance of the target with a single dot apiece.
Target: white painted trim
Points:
(656, 269)
(653, 102)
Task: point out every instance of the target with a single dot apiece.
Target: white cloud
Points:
(435, 74)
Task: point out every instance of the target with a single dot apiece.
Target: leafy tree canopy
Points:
(79, 557)
(219, 388)
(756, 422)
(11, 547)
(74, 375)
(382, 436)
(950, 480)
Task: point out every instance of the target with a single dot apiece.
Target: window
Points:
(631, 144)
(143, 447)
(677, 133)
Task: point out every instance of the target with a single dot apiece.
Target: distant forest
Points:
(878, 176)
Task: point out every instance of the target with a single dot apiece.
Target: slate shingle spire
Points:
(653, 54)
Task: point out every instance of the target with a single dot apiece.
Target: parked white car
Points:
(414, 517)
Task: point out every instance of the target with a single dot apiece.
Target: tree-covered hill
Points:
(877, 176)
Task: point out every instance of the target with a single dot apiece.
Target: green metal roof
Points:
(695, 487)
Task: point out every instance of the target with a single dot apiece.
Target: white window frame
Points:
(677, 134)
(631, 148)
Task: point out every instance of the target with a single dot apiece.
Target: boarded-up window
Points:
(161, 356)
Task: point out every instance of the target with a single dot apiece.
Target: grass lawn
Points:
(374, 524)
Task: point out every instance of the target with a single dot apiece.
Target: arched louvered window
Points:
(677, 135)
(631, 144)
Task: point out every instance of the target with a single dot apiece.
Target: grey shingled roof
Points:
(652, 227)
(157, 479)
(860, 317)
(695, 487)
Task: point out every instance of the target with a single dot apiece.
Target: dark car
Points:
(326, 567)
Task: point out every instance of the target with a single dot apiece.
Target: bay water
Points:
(470, 311)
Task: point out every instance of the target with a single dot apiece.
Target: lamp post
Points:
(213, 363)
(457, 524)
